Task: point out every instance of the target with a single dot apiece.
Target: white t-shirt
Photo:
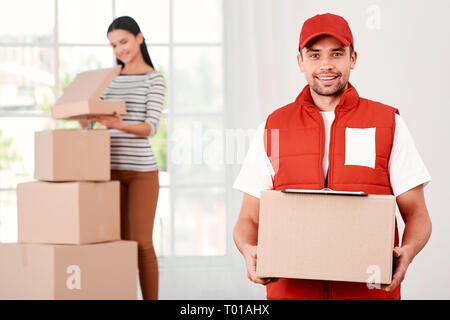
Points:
(328, 118)
(406, 168)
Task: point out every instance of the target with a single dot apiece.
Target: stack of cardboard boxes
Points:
(69, 243)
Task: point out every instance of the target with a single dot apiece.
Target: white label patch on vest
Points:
(360, 147)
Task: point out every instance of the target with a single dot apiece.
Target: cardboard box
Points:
(42, 271)
(72, 155)
(326, 237)
(68, 212)
(82, 96)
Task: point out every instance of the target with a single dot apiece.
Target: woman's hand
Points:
(111, 122)
(84, 123)
(142, 129)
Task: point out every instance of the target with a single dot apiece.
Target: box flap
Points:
(88, 85)
(82, 95)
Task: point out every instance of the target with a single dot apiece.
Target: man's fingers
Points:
(392, 286)
(259, 281)
(251, 267)
(394, 283)
(400, 270)
(396, 279)
(271, 280)
(251, 263)
(252, 277)
(397, 252)
(253, 252)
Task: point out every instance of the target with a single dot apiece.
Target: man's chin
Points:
(328, 91)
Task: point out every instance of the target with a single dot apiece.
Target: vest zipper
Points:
(331, 149)
(322, 151)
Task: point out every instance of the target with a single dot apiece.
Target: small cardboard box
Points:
(43, 271)
(82, 96)
(72, 155)
(68, 212)
(326, 237)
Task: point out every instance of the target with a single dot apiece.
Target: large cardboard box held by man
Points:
(326, 237)
(72, 155)
(81, 97)
(43, 271)
(68, 212)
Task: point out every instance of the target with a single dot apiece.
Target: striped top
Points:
(144, 98)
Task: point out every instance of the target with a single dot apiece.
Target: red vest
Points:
(294, 142)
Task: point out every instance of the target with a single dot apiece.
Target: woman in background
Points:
(132, 160)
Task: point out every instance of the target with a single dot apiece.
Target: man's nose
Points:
(325, 64)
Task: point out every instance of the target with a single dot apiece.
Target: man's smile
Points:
(327, 79)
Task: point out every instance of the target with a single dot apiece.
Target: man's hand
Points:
(403, 258)
(250, 255)
(111, 122)
(245, 236)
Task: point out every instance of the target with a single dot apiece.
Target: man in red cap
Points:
(352, 144)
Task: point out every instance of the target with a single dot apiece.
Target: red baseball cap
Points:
(329, 24)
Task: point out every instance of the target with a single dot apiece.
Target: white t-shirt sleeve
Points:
(406, 168)
(256, 172)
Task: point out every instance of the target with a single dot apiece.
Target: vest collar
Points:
(349, 98)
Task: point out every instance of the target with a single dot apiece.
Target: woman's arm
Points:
(115, 121)
(142, 129)
(155, 102)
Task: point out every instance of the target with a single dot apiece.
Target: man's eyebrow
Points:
(332, 50)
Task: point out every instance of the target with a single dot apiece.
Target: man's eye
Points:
(315, 55)
(337, 54)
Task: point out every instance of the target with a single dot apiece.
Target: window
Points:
(44, 47)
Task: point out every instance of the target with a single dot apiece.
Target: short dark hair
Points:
(351, 51)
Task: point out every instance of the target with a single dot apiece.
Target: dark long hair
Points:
(130, 25)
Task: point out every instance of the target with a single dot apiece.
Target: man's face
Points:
(327, 64)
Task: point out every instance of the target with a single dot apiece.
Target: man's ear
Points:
(300, 62)
(353, 58)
